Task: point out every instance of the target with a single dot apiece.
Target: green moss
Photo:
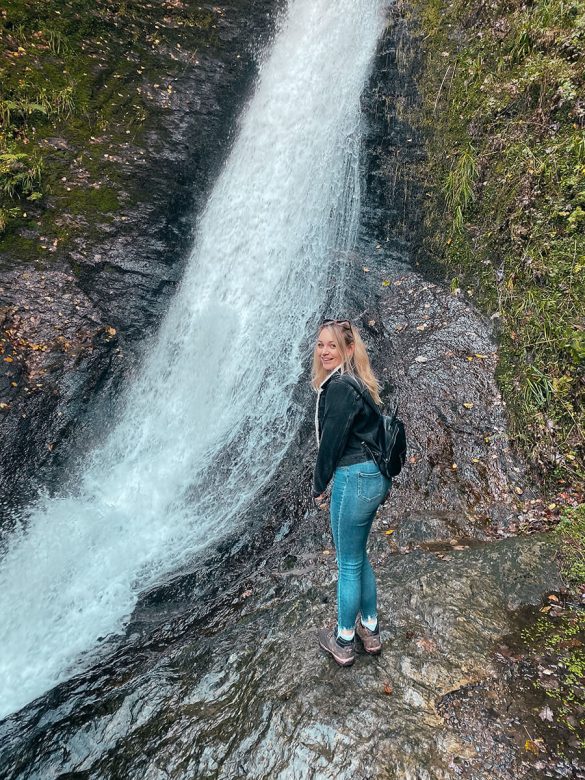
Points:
(571, 535)
(104, 199)
(501, 89)
(557, 642)
(559, 645)
(82, 72)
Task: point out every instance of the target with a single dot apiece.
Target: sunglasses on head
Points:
(342, 323)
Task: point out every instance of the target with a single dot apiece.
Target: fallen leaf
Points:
(421, 359)
(546, 714)
(388, 689)
(552, 597)
(366, 269)
(531, 745)
(246, 594)
(389, 531)
(468, 405)
(426, 643)
(569, 644)
(385, 283)
(519, 490)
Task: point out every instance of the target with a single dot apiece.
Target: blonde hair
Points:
(357, 363)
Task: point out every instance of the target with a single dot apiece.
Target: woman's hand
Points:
(322, 502)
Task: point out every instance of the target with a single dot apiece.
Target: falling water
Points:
(205, 424)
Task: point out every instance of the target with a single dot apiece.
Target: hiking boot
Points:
(343, 654)
(370, 639)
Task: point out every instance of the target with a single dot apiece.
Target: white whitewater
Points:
(221, 373)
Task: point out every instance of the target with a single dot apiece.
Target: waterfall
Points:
(204, 424)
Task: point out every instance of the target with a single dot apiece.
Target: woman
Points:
(344, 423)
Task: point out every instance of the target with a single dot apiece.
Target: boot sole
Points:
(340, 662)
(363, 649)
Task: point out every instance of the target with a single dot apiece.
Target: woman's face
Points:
(328, 351)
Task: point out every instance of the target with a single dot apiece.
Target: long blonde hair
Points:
(356, 364)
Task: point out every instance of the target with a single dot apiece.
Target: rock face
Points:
(73, 319)
(219, 674)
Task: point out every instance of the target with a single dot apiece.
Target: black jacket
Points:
(344, 421)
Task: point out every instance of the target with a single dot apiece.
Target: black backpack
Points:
(390, 454)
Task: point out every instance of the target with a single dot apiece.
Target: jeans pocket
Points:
(370, 486)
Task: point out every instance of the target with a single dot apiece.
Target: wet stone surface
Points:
(247, 693)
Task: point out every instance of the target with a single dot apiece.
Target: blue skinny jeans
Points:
(358, 490)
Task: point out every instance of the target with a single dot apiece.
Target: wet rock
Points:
(254, 697)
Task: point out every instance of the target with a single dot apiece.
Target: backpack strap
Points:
(364, 393)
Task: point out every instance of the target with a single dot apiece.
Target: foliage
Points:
(19, 175)
(79, 80)
(503, 87)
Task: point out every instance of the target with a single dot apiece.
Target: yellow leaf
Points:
(385, 283)
(389, 531)
(8, 360)
(468, 405)
(531, 745)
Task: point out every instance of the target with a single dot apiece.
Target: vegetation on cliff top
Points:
(503, 91)
(503, 107)
(79, 81)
